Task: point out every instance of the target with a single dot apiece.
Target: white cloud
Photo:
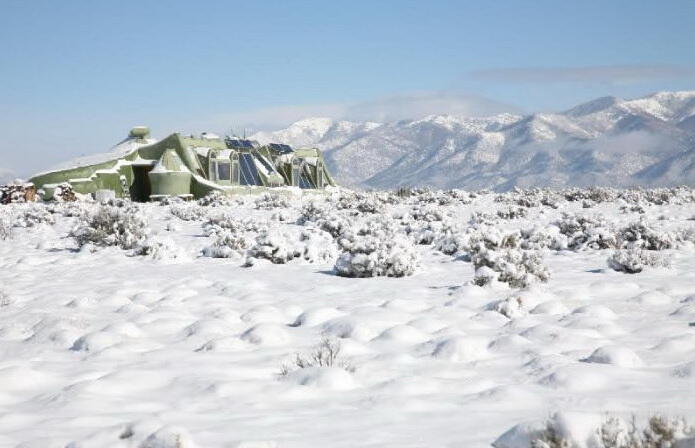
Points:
(614, 74)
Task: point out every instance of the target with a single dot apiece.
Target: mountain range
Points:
(649, 141)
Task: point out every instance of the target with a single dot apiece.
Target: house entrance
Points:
(141, 189)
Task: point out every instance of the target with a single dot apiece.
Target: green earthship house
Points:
(143, 169)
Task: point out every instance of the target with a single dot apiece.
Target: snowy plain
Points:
(103, 348)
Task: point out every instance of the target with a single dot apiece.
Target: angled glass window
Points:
(249, 174)
(305, 178)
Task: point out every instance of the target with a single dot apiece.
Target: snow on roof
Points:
(118, 151)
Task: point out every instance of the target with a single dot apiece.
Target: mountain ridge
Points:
(609, 141)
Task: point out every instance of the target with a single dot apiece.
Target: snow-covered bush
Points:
(367, 255)
(427, 232)
(325, 354)
(479, 218)
(270, 201)
(279, 246)
(227, 244)
(217, 198)
(31, 214)
(318, 246)
(512, 213)
(586, 232)
(492, 238)
(518, 268)
(633, 261)
(594, 194)
(428, 213)
(281, 215)
(641, 235)
(69, 209)
(226, 221)
(5, 228)
(367, 203)
(125, 227)
(438, 197)
(159, 249)
(452, 241)
(659, 432)
(188, 212)
(543, 237)
(323, 218)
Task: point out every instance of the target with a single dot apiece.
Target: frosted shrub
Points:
(270, 201)
(390, 255)
(188, 212)
(518, 268)
(641, 235)
(69, 209)
(227, 244)
(428, 213)
(452, 241)
(366, 203)
(512, 213)
(277, 246)
(281, 215)
(159, 249)
(427, 232)
(434, 197)
(461, 196)
(226, 221)
(5, 228)
(323, 218)
(594, 194)
(479, 218)
(318, 246)
(216, 198)
(586, 232)
(31, 214)
(125, 227)
(492, 238)
(552, 437)
(325, 354)
(543, 237)
(633, 261)
(659, 432)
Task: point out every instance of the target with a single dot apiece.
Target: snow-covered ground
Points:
(103, 348)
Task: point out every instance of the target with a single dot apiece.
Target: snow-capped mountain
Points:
(608, 141)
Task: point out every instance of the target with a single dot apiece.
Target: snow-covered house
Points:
(143, 168)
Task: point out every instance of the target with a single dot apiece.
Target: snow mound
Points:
(615, 355)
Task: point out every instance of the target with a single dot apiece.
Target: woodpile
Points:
(64, 193)
(17, 193)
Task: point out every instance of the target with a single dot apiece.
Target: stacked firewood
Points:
(64, 193)
(17, 193)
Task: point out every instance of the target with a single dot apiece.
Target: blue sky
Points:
(76, 75)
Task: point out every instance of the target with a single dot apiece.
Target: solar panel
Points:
(240, 143)
(279, 147)
(249, 174)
